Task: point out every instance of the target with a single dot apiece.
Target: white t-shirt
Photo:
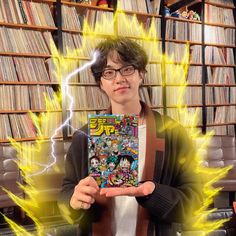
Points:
(126, 208)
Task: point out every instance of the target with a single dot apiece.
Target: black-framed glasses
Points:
(110, 73)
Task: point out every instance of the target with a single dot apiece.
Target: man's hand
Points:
(142, 190)
(84, 194)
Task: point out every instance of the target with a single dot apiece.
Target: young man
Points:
(169, 190)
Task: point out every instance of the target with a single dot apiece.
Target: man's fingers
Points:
(85, 205)
(89, 181)
(79, 205)
(112, 192)
(85, 190)
(142, 190)
(86, 198)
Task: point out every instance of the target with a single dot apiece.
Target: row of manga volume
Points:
(222, 130)
(18, 40)
(177, 52)
(23, 69)
(213, 55)
(40, 70)
(26, 12)
(220, 15)
(74, 18)
(78, 120)
(178, 95)
(215, 75)
(92, 97)
(180, 30)
(145, 6)
(216, 55)
(22, 125)
(221, 115)
(183, 118)
(221, 75)
(215, 115)
(84, 76)
(132, 28)
(87, 97)
(218, 116)
(23, 97)
(84, 45)
(219, 35)
(192, 31)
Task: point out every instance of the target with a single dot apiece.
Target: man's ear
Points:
(142, 76)
(101, 86)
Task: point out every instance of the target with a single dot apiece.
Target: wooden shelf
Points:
(176, 4)
(26, 111)
(91, 7)
(219, 45)
(184, 105)
(27, 83)
(182, 19)
(78, 58)
(220, 25)
(35, 27)
(18, 54)
(219, 4)
(82, 84)
(45, 1)
(139, 13)
(183, 41)
(221, 105)
(88, 109)
(87, 34)
(187, 85)
(221, 85)
(220, 65)
(220, 124)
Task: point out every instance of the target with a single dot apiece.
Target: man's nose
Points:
(119, 77)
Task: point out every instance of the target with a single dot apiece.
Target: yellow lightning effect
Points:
(133, 27)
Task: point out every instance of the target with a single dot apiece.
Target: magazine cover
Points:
(113, 150)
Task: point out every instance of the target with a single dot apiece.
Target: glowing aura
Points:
(152, 46)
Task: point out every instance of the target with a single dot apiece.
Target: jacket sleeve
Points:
(75, 170)
(179, 193)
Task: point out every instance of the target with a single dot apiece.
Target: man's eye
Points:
(108, 72)
(128, 69)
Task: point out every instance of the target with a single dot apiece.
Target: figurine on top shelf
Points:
(102, 3)
(167, 11)
(191, 15)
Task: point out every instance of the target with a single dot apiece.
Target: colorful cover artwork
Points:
(113, 150)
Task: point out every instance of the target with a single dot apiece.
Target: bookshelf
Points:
(28, 65)
(216, 53)
(26, 60)
(26, 29)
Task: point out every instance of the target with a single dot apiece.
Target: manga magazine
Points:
(113, 150)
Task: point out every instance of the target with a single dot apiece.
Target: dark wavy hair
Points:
(129, 52)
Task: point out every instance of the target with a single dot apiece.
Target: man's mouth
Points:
(121, 88)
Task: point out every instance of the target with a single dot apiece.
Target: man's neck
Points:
(128, 108)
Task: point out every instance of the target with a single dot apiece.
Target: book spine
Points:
(25, 20)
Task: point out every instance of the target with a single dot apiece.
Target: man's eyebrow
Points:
(109, 66)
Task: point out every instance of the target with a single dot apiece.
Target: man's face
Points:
(121, 89)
